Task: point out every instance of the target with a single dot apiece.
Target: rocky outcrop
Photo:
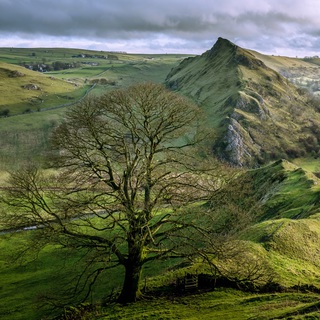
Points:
(240, 148)
(31, 86)
(16, 74)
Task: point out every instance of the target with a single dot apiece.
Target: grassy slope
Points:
(25, 138)
(285, 191)
(224, 305)
(291, 249)
(25, 283)
(277, 191)
(284, 202)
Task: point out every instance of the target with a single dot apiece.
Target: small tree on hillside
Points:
(126, 166)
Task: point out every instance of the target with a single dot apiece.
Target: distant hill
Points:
(23, 90)
(256, 113)
(292, 68)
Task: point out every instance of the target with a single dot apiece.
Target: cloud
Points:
(166, 25)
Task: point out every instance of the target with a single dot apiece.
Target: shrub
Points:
(294, 153)
(4, 113)
(84, 311)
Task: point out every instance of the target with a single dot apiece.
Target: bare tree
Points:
(126, 166)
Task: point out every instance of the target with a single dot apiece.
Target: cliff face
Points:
(256, 113)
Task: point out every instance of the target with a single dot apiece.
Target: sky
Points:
(279, 27)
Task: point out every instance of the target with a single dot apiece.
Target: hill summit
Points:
(257, 114)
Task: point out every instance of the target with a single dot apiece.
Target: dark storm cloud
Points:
(161, 24)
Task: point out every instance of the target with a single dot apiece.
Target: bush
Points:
(4, 113)
(294, 153)
(84, 311)
(311, 144)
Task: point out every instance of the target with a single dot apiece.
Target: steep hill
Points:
(279, 190)
(256, 113)
(282, 205)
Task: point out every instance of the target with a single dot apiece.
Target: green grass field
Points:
(24, 287)
(26, 282)
(25, 138)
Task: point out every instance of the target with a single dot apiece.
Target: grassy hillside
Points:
(28, 284)
(106, 69)
(285, 191)
(25, 138)
(257, 114)
(279, 190)
(23, 90)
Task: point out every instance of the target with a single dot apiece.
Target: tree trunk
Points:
(130, 289)
(133, 267)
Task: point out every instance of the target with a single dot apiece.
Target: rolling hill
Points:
(66, 74)
(24, 90)
(255, 112)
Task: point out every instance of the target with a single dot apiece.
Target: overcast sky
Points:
(280, 27)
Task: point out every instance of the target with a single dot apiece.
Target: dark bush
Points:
(82, 311)
(4, 113)
(294, 153)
